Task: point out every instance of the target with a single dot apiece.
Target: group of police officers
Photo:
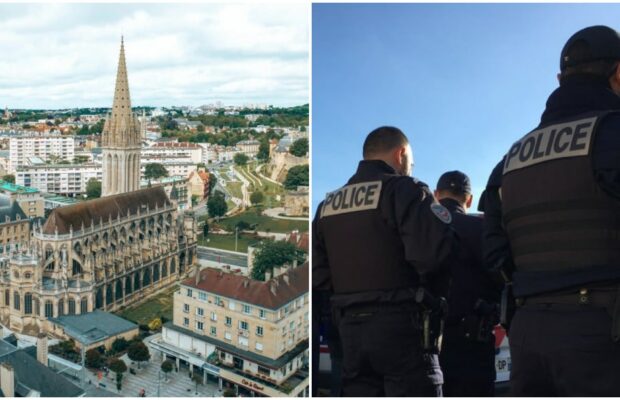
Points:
(409, 286)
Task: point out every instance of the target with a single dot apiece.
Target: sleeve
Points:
(321, 276)
(424, 227)
(495, 244)
(606, 156)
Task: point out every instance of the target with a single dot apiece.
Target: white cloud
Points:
(65, 55)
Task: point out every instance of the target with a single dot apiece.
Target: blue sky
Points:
(65, 55)
(463, 81)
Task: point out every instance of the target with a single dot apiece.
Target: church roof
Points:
(87, 212)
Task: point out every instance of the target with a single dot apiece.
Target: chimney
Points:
(42, 348)
(286, 278)
(246, 283)
(272, 287)
(7, 380)
(294, 263)
(198, 276)
(267, 276)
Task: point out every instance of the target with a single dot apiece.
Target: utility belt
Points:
(479, 325)
(426, 311)
(599, 297)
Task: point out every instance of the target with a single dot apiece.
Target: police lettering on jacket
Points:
(553, 142)
(352, 198)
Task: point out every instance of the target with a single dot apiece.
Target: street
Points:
(221, 256)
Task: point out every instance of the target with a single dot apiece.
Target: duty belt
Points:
(593, 297)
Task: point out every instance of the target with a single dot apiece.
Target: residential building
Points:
(29, 199)
(14, 225)
(249, 147)
(64, 179)
(177, 189)
(46, 147)
(249, 335)
(174, 150)
(296, 202)
(199, 183)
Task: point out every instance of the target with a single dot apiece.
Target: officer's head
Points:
(593, 51)
(455, 185)
(389, 144)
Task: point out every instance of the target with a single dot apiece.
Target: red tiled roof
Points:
(272, 294)
(301, 240)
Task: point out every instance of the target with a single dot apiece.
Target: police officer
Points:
(467, 357)
(376, 240)
(552, 212)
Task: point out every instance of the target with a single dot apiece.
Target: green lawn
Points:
(158, 306)
(227, 242)
(234, 188)
(269, 189)
(264, 223)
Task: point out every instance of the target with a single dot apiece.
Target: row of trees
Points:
(136, 350)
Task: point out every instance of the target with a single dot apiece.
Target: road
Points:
(224, 257)
(275, 213)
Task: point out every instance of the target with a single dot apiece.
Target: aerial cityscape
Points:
(154, 250)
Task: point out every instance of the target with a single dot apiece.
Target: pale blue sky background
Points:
(65, 55)
(463, 81)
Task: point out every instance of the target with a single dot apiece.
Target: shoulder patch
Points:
(352, 198)
(568, 139)
(441, 212)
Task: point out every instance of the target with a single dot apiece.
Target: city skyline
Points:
(178, 56)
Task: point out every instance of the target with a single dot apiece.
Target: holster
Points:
(432, 312)
(508, 307)
(478, 326)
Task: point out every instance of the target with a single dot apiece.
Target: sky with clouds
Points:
(65, 55)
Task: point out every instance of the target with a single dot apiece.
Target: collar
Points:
(452, 205)
(371, 168)
(578, 95)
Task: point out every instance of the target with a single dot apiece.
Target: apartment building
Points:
(46, 147)
(29, 199)
(64, 179)
(174, 150)
(14, 225)
(251, 336)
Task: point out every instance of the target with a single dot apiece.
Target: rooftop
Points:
(93, 327)
(272, 294)
(12, 211)
(13, 188)
(31, 375)
(87, 213)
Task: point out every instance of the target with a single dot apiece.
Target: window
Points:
(243, 325)
(231, 305)
(199, 325)
(262, 314)
(292, 325)
(16, 300)
(49, 309)
(243, 341)
(71, 307)
(84, 306)
(186, 308)
(185, 321)
(28, 303)
(259, 330)
(218, 301)
(259, 346)
(213, 316)
(7, 297)
(189, 292)
(263, 371)
(247, 309)
(202, 296)
(213, 331)
(200, 311)
(228, 321)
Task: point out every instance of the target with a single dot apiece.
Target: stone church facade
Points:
(99, 254)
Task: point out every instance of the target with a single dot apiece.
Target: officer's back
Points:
(374, 241)
(468, 354)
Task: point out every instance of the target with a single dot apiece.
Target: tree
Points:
(155, 171)
(93, 188)
(257, 197)
(270, 254)
(200, 128)
(120, 344)
(166, 367)
(205, 230)
(299, 148)
(197, 378)
(212, 183)
(94, 358)
(242, 225)
(118, 367)
(297, 176)
(216, 205)
(80, 159)
(138, 352)
(240, 159)
(229, 393)
(155, 324)
(263, 151)
(9, 178)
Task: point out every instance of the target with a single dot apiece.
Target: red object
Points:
(500, 334)
(99, 375)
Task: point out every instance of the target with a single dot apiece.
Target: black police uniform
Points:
(467, 357)
(557, 217)
(374, 240)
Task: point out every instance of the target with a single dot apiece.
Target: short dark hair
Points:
(383, 139)
(580, 49)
